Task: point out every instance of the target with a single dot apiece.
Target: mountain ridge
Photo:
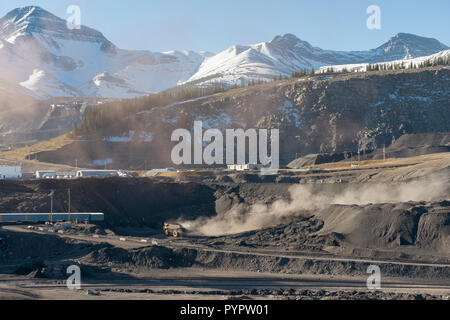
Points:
(287, 54)
(41, 55)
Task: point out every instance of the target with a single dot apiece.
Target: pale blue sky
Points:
(214, 25)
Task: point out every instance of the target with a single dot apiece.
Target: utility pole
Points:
(69, 207)
(52, 192)
(351, 159)
(384, 152)
(76, 163)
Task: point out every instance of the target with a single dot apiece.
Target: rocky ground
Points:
(319, 233)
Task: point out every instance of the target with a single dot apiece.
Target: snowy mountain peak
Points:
(33, 22)
(285, 37)
(415, 40)
(29, 14)
(289, 40)
(41, 54)
(21, 22)
(26, 20)
(407, 46)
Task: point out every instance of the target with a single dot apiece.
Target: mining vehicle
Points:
(174, 230)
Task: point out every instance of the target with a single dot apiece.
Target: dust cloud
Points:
(303, 200)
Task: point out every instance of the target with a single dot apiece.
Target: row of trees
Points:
(110, 113)
(303, 73)
(441, 61)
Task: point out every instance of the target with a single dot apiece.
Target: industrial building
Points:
(55, 175)
(100, 173)
(78, 174)
(243, 167)
(97, 173)
(10, 172)
(45, 174)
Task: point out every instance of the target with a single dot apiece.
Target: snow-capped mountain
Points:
(45, 58)
(287, 54)
(40, 53)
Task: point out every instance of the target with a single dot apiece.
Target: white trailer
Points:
(98, 173)
(10, 172)
(65, 175)
(45, 174)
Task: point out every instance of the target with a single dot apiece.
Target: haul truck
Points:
(174, 230)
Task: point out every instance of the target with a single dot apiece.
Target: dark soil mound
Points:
(24, 245)
(150, 257)
(424, 225)
(410, 145)
(296, 234)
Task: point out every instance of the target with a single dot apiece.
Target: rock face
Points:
(314, 115)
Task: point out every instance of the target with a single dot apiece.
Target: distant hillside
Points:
(17, 111)
(24, 120)
(316, 114)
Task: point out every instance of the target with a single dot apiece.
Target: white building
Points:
(243, 167)
(55, 175)
(45, 174)
(10, 172)
(66, 175)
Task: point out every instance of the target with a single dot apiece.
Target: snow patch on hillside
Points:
(124, 138)
(407, 63)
